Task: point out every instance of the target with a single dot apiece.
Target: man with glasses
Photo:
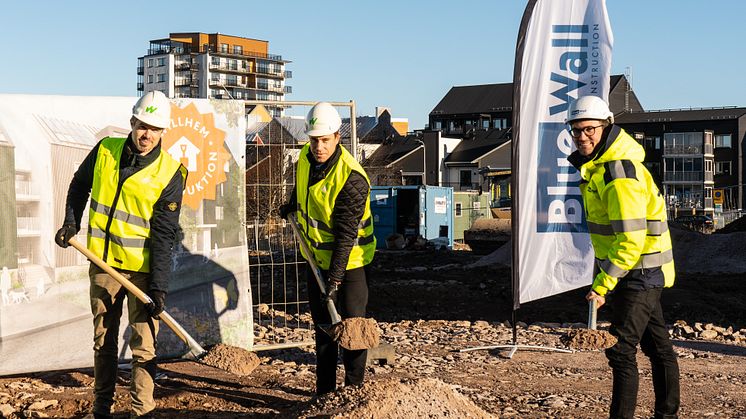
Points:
(626, 217)
(136, 191)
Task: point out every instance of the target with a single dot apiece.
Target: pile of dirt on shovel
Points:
(395, 397)
(588, 339)
(235, 360)
(357, 333)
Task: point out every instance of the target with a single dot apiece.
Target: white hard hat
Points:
(589, 107)
(153, 108)
(322, 120)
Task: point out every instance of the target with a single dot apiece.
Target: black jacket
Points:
(163, 226)
(349, 208)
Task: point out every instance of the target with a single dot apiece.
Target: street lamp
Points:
(424, 160)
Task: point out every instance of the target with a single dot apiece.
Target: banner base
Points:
(512, 349)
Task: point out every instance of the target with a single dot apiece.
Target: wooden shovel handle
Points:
(194, 347)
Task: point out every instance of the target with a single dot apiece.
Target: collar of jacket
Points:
(132, 158)
(318, 171)
(618, 146)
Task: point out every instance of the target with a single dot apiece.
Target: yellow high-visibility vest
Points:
(316, 204)
(626, 213)
(119, 217)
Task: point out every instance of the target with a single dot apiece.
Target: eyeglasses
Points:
(588, 131)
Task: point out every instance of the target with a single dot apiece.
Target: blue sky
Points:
(401, 54)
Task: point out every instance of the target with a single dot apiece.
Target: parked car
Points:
(703, 223)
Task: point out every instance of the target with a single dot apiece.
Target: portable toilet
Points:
(426, 211)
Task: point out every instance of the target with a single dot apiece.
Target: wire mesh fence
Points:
(277, 271)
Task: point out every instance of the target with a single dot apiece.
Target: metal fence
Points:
(277, 271)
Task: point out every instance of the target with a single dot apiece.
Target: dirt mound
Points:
(708, 253)
(395, 398)
(501, 256)
(588, 339)
(357, 333)
(734, 226)
(236, 360)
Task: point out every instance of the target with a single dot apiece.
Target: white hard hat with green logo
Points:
(322, 120)
(154, 109)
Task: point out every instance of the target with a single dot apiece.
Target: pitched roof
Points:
(483, 142)
(476, 99)
(485, 98)
(681, 115)
(295, 126)
(392, 150)
(364, 125)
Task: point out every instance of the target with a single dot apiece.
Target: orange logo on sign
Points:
(193, 140)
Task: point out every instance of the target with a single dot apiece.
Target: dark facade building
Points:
(695, 155)
(489, 106)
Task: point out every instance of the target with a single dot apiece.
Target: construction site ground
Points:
(430, 304)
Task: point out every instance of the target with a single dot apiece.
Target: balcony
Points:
(682, 150)
(684, 177)
(28, 226)
(288, 89)
(181, 82)
(25, 191)
(140, 70)
(182, 66)
(140, 87)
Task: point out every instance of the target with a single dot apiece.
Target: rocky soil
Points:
(430, 306)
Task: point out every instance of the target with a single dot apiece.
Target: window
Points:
(723, 141)
(722, 168)
(161, 78)
(218, 213)
(161, 62)
(150, 78)
(458, 209)
(500, 123)
(237, 49)
(150, 62)
(465, 178)
(438, 125)
(224, 48)
(485, 124)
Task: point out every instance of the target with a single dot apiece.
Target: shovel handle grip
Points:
(592, 314)
(194, 347)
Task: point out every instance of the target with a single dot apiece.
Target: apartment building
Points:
(200, 65)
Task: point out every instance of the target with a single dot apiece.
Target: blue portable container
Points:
(412, 210)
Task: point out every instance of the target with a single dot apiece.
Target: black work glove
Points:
(159, 303)
(63, 236)
(285, 210)
(332, 291)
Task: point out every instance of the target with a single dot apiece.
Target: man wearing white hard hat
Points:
(135, 195)
(626, 218)
(332, 202)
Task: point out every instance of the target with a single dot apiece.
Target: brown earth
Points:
(587, 339)
(235, 360)
(429, 305)
(357, 333)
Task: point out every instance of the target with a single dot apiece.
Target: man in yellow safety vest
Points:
(136, 190)
(332, 202)
(626, 217)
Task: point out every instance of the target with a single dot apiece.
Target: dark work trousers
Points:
(351, 302)
(637, 317)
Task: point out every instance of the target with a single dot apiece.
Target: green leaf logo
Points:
(312, 121)
(151, 109)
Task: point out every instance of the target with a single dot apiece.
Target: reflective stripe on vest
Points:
(654, 228)
(119, 215)
(316, 205)
(652, 260)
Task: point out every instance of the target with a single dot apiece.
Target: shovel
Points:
(195, 350)
(354, 333)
